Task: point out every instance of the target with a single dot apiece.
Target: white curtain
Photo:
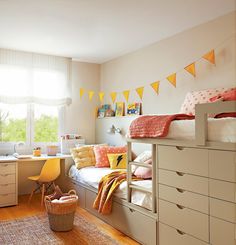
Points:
(34, 78)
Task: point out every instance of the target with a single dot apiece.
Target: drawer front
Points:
(126, 220)
(186, 160)
(222, 165)
(186, 220)
(171, 236)
(7, 199)
(221, 232)
(184, 198)
(222, 190)
(7, 168)
(7, 178)
(7, 188)
(223, 210)
(184, 181)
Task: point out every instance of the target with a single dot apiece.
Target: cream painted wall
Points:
(152, 63)
(80, 115)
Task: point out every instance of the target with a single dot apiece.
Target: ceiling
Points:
(99, 30)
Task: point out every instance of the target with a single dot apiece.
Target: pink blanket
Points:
(154, 126)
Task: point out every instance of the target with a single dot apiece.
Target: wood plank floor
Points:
(34, 208)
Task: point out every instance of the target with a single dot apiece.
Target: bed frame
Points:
(202, 173)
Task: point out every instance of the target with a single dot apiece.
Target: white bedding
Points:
(91, 177)
(221, 130)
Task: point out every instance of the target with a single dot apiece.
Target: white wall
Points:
(80, 115)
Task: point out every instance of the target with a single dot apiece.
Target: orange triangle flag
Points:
(90, 93)
(113, 96)
(210, 57)
(191, 69)
(172, 79)
(126, 95)
(140, 92)
(101, 96)
(81, 92)
(155, 86)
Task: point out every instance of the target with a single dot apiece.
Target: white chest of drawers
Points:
(8, 184)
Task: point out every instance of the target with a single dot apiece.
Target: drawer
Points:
(7, 188)
(222, 165)
(7, 168)
(184, 181)
(171, 236)
(127, 220)
(222, 190)
(80, 192)
(184, 198)
(222, 232)
(7, 199)
(223, 210)
(186, 160)
(186, 220)
(7, 178)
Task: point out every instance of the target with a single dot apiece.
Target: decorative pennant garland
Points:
(126, 95)
(90, 94)
(191, 69)
(155, 86)
(210, 57)
(172, 79)
(113, 96)
(140, 92)
(101, 96)
(81, 93)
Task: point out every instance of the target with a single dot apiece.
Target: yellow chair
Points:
(49, 173)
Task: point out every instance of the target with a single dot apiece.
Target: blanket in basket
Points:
(154, 126)
(106, 188)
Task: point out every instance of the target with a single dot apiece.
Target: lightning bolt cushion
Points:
(117, 161)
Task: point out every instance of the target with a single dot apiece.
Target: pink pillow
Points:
(199, 97)
(101, 154)
(144, 173)
(226, 96)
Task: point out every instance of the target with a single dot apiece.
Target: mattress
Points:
(219, 130)
(91, 177)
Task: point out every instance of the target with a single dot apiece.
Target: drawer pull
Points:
(5, 175)
(131, 210)
(180, 148)
(4, 184)
(180, 190)
(180, 206)
(179, 173)
(180, 232)
(4, 195)
(4, 165)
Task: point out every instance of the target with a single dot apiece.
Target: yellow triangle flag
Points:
(101, 96)
(155, 86)
(90, 93)
(140, 92)
(126, 95)
(191, 69)
(210, 57)
(113, 96)
(172, 79)
(81, 92)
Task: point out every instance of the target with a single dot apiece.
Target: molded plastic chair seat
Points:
(49, 173)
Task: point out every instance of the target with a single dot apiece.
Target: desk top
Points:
(31, 158)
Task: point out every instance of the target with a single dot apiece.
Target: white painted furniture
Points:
(8, 183)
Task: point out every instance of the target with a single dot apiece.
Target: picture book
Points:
(134, 109)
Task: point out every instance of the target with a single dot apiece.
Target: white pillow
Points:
(143, 157)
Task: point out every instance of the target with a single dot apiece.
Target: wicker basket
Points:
(61, 215)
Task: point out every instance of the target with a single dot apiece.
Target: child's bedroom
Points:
(118, 122)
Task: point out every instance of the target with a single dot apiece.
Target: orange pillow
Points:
(101, 152)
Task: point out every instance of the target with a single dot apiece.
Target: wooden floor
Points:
(24, 209)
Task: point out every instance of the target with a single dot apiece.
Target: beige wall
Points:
(162, 58)
(80, 115)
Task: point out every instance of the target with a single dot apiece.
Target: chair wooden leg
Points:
(54, 186)
(31, 195)
(43, 191)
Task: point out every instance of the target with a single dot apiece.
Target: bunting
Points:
(191, 69)
(90, 94)
(210, 57)
(140, 92)
(172, 79)
(113, 96)
(155, 86)
(126, 95)
(101, 96)
(81, 93)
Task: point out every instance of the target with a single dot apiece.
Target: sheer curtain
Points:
(34, 78)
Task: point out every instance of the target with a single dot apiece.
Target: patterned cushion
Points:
(101, 154)
(117, 161)
(83, 156)
(199, 97)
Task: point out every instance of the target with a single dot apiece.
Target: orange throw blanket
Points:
(107, 186)
(154, 126)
